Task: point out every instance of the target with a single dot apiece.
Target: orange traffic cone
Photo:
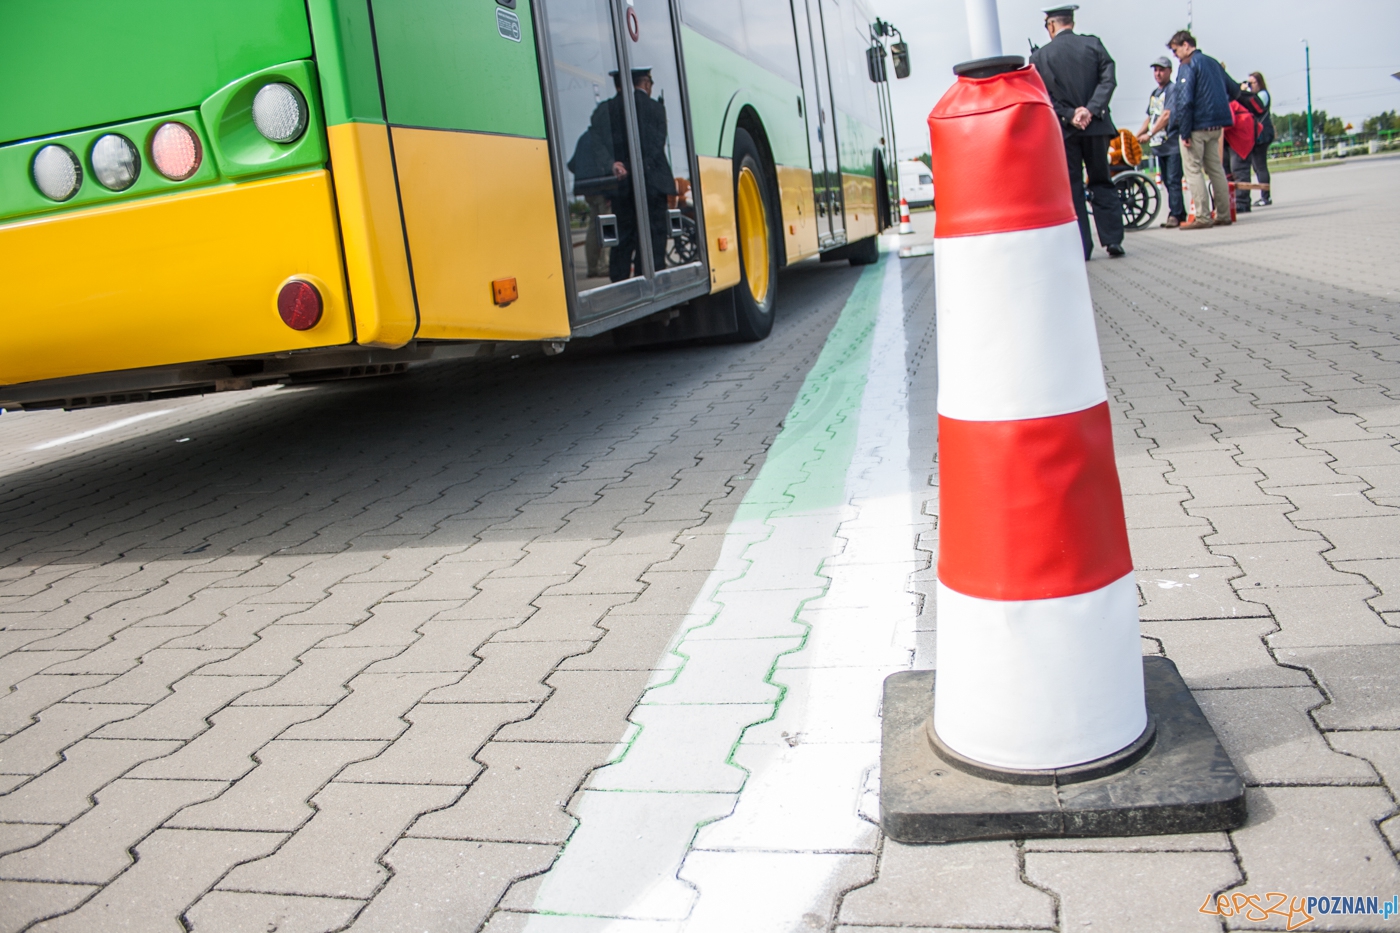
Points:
(905, 226)
(1041, 683)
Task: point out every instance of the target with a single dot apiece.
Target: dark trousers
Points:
(626, 258)
(1090, 154)
(1169, 159)
(1258, 159)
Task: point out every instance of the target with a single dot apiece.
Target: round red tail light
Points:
(175, 150)
(299, 305)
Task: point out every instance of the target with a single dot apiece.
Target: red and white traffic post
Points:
(1042, 718)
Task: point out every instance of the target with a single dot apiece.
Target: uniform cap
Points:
(1065, 8)
(1162, 62)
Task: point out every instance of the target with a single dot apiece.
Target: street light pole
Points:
(1307, 67)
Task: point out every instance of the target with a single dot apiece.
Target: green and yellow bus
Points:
(229, 193)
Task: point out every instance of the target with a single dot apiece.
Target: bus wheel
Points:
(757, 291)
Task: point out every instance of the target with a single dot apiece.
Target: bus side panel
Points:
(446, 65)
(861, 219)
(375, 261)
(799, 212)
(479, 208)
(79, 286)
(714, 74)
(721, 224)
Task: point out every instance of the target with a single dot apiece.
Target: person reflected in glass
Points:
(596, 184)
(626, 260)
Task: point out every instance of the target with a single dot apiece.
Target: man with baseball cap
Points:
(1163, 139)
(1079, 74)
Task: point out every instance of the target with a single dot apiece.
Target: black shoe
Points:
(1263, 202)
(1116, 251)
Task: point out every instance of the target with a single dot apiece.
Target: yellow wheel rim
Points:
(753, 234)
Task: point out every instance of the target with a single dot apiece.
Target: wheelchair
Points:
(1137, 191)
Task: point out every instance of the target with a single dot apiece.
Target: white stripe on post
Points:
(1016, 335)
(984, 28)
(1039, 684)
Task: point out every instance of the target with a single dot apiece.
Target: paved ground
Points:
(372, 654)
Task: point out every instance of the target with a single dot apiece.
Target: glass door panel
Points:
(669, 238)
(593, 127)
(821, 122)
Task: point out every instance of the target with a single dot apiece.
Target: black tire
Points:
(864, 252)
(755, 314)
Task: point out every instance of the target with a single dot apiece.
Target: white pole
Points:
(984, 29)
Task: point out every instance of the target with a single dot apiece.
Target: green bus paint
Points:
(72, 64)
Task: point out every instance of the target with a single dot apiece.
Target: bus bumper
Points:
(169, 280)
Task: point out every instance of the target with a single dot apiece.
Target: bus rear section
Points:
(220, 195)
(223, 194)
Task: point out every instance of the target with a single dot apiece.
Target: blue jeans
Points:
(1169, 158)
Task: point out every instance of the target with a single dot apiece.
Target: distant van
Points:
(916, 184)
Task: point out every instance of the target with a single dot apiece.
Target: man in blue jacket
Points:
(1201, 111)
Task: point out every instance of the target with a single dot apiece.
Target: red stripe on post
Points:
(1030, 509)
(998, 157)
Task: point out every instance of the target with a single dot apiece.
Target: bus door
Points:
(624, 161)
(821, 122)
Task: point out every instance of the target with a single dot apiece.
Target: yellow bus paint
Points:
(168, 280)
(371, 229)
(717, 190)
(799, 212)
(477, 208)
(859, 192)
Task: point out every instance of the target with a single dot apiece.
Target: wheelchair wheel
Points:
(1140, 197)
(685, 248)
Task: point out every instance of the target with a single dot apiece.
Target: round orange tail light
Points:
(299, 305)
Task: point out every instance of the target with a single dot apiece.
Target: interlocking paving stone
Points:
(963, 884)
(1139, 891)
(248, 912)
(275, 795)
(572, 514)
(441, 884)
(185, 713)
(23, 902)
(1361, 681)
(173, 867)
(1304, 839)
(1271, 740)
(440, 744)
(225, 752)
(520, 797)
(336, 853)
(93, 848)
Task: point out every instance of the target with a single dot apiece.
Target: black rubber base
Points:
(988, 67)
(1183, 783)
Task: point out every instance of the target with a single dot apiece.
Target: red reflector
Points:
(299, 304)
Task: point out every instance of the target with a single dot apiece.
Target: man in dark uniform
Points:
(625, 260)
(1079, 74)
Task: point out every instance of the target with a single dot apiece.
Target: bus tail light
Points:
(57, 172)
(115, 162)
(175, 151)
(299, 304)
(279, 112)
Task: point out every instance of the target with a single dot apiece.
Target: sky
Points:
(1355, 49)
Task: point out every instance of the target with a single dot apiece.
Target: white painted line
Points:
(726, 785)
(113, 426)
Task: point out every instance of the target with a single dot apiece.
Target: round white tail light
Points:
(57, 172)
(279, 112)
(115, 162)
(175, 150)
